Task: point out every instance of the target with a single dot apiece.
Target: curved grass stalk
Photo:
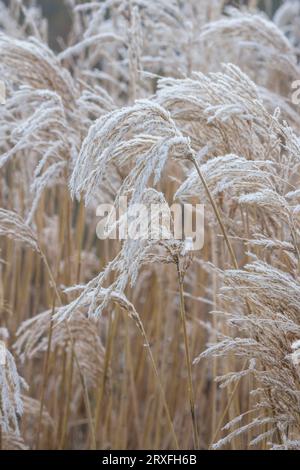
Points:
(188, 358)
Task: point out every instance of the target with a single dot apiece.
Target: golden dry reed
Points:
(143, 343)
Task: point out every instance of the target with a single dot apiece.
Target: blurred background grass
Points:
(59, 16)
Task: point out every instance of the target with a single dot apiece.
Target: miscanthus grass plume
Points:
(143, 343)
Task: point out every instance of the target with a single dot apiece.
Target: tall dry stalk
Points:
(122, 109)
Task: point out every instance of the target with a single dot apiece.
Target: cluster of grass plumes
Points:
(141, 343)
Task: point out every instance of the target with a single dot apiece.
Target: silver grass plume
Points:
(13, 226)
(11, 385)
(138, 138)
(32, 340)
(125, 267)
(266, 338)
(43, 69)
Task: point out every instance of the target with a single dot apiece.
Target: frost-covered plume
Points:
(137, 140)
(232, 174)
(287, 18)
(11, 384)
(267, 339)
(249, 40)
(32, 341)
(43, 70)
(222, 109)
(125, 267)
(13, 226)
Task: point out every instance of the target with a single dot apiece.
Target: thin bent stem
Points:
(163, 396)
(221, 420)
(216, 211)
(68, 403)
(235, 264)
(108, 351)
(188, 358)
(82, 380)
(85, 393)
(45, 377)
